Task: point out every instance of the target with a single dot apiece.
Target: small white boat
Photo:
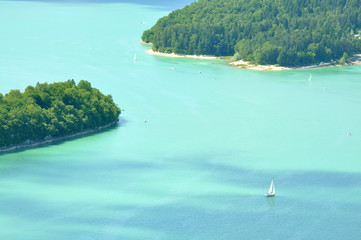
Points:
(310, 78)
(271, 191)
(135, 57)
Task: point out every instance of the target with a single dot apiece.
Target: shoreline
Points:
(145, 43)
(353, 60)
(150, 51)
(249, 66)
(32, 144)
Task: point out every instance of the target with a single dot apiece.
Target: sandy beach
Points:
(145, 43)
(150, 51)
(354, 60)
(247, 65)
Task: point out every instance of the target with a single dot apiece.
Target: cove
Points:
(214, 138)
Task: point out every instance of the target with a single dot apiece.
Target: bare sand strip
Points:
(150, 51)
(354, 60)
(145, 43)
(247, 65)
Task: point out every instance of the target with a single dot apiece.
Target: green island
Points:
(267, 32)
(50, 112)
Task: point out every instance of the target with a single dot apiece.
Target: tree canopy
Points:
(284, 32)
(53, 110)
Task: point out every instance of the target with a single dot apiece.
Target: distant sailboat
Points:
(310, 78)
(271, 191)
(135, 57)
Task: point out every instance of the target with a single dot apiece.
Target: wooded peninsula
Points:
(267, 32)
(52, 111)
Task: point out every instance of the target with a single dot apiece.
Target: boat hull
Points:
(269, 195)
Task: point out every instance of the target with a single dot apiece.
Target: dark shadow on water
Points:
(183, 214)
(178, 221)
(234, 175)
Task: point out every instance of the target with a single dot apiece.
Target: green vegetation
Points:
(344, 59)
(53, 110)
(284, 32)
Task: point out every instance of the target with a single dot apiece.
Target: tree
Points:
(288, 33)
(54, 110)
(344, 58)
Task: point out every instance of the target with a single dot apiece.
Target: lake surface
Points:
(214, 138)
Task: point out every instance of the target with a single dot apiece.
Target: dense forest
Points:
(53, 110)
(284, 32)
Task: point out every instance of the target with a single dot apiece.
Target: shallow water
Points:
(215, 136)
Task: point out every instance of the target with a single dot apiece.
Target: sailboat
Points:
(135, 57)
(271, 191)
(310, 78)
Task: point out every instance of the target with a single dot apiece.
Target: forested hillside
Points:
(284, 32)
(53, 110)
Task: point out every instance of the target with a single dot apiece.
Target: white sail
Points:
(135, 57)
(310, 78)
(271, 191)
(270, 188)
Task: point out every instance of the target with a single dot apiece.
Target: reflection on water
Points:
(271, 202)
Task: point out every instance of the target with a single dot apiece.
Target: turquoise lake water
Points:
(214, 139)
